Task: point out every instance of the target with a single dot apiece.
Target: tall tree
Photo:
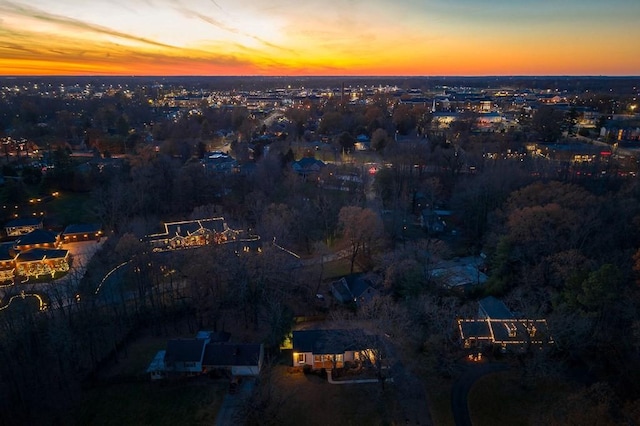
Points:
(363, 229)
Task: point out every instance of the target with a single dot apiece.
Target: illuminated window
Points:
(301, 358)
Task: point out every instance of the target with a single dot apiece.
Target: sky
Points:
(320, 37)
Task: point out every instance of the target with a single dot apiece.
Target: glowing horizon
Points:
(333, 37)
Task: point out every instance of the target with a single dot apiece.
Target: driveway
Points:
(462, 386)
(411, 396)
(231, 404)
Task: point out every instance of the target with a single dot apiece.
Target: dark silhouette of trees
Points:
(547, 122)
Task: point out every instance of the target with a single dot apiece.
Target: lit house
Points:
(22, 226)
(82, 232)
(35, 254)
(191, 233)
(328, 349)
(496, 325)
(38, 238)
(39, 262)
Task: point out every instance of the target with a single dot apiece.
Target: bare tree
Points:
(363, 229)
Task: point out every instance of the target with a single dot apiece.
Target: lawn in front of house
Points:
(125, 395)
(184, 402)
(312, 400)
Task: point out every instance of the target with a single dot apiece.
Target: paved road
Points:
(462, 386)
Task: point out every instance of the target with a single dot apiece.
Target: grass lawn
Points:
(135, 360)
(338, 268)
(501, 398)
(309, 399)
(439, 396)
(69, 208)
(157, 404)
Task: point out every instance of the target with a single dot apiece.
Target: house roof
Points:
(494, 308)
(184, 350)
(83, 228)
(497, 324)
(37, 236)
(188, 227)
(354, 286)
(475, 329)
(213, 336)
(359, 285)
(231, 354)
(326, 341)
(5, 252)
(23, 221)
(41, 254)
(308, 164)
(157, 363)
(460, 272)
(342, 289)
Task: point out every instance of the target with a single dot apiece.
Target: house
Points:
(240, 359)
(354, 288)
(363, 143)
(191, 233)
(22, 226)
(157, 369)
(41, 261)
(184, 356)
(460, 274)
(206, 352)
(219, 162)
(307, 166)
(495, 325)
(320, 349)
(82, 232)
(38, 238)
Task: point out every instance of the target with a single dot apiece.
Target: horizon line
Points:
(14, 76)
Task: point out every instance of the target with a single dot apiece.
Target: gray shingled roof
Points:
(230, 354)
(326, 341)
(184, 350)
(37, 236)
(82, 228)
(494, 308)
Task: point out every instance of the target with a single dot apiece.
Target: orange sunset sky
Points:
(329, 37)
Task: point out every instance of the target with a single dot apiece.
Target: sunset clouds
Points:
(333, 37)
